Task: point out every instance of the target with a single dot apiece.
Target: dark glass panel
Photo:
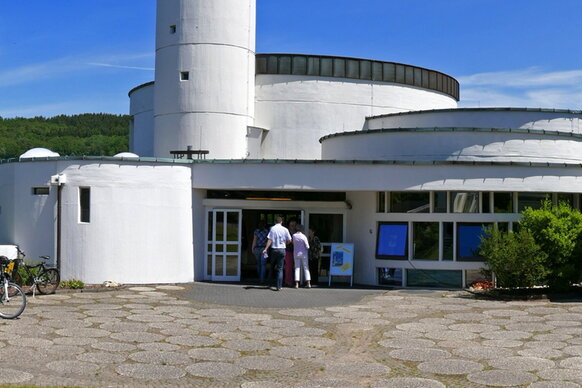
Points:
(503, 202)
(377, 71)
(353, 69)
(389, 71)
(313, 66)
(425, 240)
(400, 74)
(273, 65)
(409, 202)
(434, 278)
(533, 200)
(366, 70)
(390, 277)
(326, 67)
(339, 67)
(417, 77)
(284, 65)
(448, 241)
(440, 201)
(299, 66)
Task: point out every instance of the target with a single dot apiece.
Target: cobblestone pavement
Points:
(155, 336)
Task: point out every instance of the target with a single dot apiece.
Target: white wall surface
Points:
(7, 204)
(483, 118)
(299, 110)
(215, 43)
(141, 223)
(362, 176)
(454, 145)
(141, 107)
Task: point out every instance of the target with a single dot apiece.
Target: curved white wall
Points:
(564, 121)
(140, 228)
(215, 42)
(141, 108)
(299, 110)
(443, 144)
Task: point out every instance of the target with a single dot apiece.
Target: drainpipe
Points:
(59, 226)
(59, 180)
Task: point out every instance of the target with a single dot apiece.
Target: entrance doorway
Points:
(250, 221)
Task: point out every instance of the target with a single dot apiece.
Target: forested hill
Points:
(93, 134)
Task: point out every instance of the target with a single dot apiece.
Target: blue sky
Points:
(75, 56)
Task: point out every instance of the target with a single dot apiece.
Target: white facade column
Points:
(205, 76)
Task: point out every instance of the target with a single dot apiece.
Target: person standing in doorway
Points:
(289, 261)
(277, 239)
(300, 256)
(259, 244)
(315, 251)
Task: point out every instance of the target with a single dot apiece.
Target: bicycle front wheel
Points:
(13, 302)
(48, 281)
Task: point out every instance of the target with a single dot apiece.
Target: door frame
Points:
(222, 255)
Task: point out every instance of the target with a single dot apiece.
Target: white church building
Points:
(367, 152)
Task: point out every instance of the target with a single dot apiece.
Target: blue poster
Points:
(341, 262)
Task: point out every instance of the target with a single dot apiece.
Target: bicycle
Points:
(12, 298)
(38, 277)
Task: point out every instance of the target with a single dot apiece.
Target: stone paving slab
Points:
(170, 335)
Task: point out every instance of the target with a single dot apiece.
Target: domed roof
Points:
(39, 153)
(126, 155)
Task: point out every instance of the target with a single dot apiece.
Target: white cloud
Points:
(121, 66)
(58, 67)
(531, 87)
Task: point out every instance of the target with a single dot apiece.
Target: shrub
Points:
(515, 258)
(557, 230)
(73, 283)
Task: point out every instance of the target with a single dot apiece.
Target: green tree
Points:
(86, 134)
(515, 258)
(557, 230)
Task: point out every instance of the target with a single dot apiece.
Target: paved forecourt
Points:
(156, 336)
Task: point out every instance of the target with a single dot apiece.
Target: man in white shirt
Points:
(277, 240)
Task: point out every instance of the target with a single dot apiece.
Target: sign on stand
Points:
(341, 261)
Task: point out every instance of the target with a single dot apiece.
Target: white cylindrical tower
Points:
(205, 76)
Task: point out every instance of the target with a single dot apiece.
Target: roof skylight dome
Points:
(39, 153)
(126, 155)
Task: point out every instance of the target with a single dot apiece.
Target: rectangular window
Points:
(567, 198)
(381, 205)
(299, 65)
(390, 277)
(469, 241)
(485, 203)
(407, 202)
(440, 202)
(173, 29)
(464, 202)
(503, 202)
(392, 241)
(425, 240)
(85, 204)
(434, 278)
(448, 241)
(184, 75)
(533, 200)
(44, 190)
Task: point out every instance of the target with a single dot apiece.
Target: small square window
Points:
(184, 75)
(40, 190)
(173, 29)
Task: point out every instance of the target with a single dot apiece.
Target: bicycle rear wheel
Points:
(12, 304)
(48, 281)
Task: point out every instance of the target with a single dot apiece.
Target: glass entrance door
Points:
(224, 244)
